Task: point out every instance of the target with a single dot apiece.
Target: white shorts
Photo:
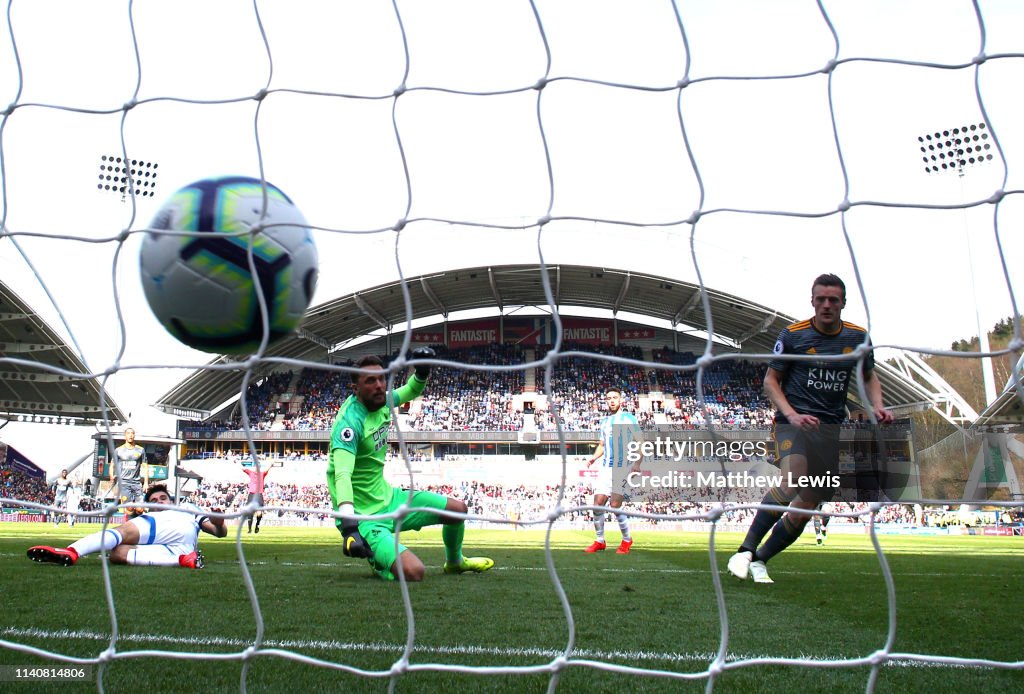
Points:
(153, 554)
(178, 530)
(605, 484)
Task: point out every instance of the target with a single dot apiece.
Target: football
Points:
(200, 285)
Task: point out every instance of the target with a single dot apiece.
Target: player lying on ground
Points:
(156, 538)
(355, 478)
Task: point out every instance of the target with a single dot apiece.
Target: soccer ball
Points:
(200, 286)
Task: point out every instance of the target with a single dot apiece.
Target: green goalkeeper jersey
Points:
(359, 444)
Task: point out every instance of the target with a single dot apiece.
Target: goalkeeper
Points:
(355, 478)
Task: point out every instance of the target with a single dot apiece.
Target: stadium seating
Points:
(468, 400)
(15, 484)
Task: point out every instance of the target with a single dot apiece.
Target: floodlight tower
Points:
(952, 150)
(127, 176)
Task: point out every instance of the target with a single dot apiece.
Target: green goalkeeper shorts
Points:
(380, 535)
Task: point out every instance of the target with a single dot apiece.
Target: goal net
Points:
(743, 147)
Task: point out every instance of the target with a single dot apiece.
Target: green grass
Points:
(655, 609)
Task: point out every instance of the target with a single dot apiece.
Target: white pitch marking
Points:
(379, 647)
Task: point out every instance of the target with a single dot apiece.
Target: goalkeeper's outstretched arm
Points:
(339, 479)
(340, 487)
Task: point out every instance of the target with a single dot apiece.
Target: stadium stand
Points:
(464, 400)
(18, 485)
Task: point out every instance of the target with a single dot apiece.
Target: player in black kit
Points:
(810, 402)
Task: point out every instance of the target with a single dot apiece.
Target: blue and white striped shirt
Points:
(617, 432)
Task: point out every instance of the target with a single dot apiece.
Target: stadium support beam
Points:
(370, 311)
(762, 326)
(432, 297)
(494, 290)
(190, 413)
(34, 410)
(622, 294)
(687, 307)
(558, 285)
(25, 347)
(13, 316)
(304, 334)
(42, 377)
(944, 398)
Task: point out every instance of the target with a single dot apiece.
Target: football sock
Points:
(106, 539)
(783, 535)
(138, 557)
(599, 525)
(763, 521)
(817, 525)
(452, 536)
(623, 525)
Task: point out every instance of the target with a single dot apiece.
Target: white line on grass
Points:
(380, 647)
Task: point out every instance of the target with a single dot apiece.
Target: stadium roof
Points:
(754, 328)
(30, 388)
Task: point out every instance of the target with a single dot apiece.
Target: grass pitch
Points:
(327, 625)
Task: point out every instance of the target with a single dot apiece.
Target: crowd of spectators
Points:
(520, 503)
(579, 378)
(733, 397)
(321, 392)
(260, 398)
(489, 400)
(231, 496)
(504, 503)
(525, 503)
(19, 485)
(465, 400)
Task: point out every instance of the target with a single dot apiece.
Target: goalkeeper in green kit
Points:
(355, 478)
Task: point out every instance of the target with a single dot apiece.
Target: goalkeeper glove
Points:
(352, 543)
(423, 370)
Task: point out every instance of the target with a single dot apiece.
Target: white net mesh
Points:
(733, 148)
